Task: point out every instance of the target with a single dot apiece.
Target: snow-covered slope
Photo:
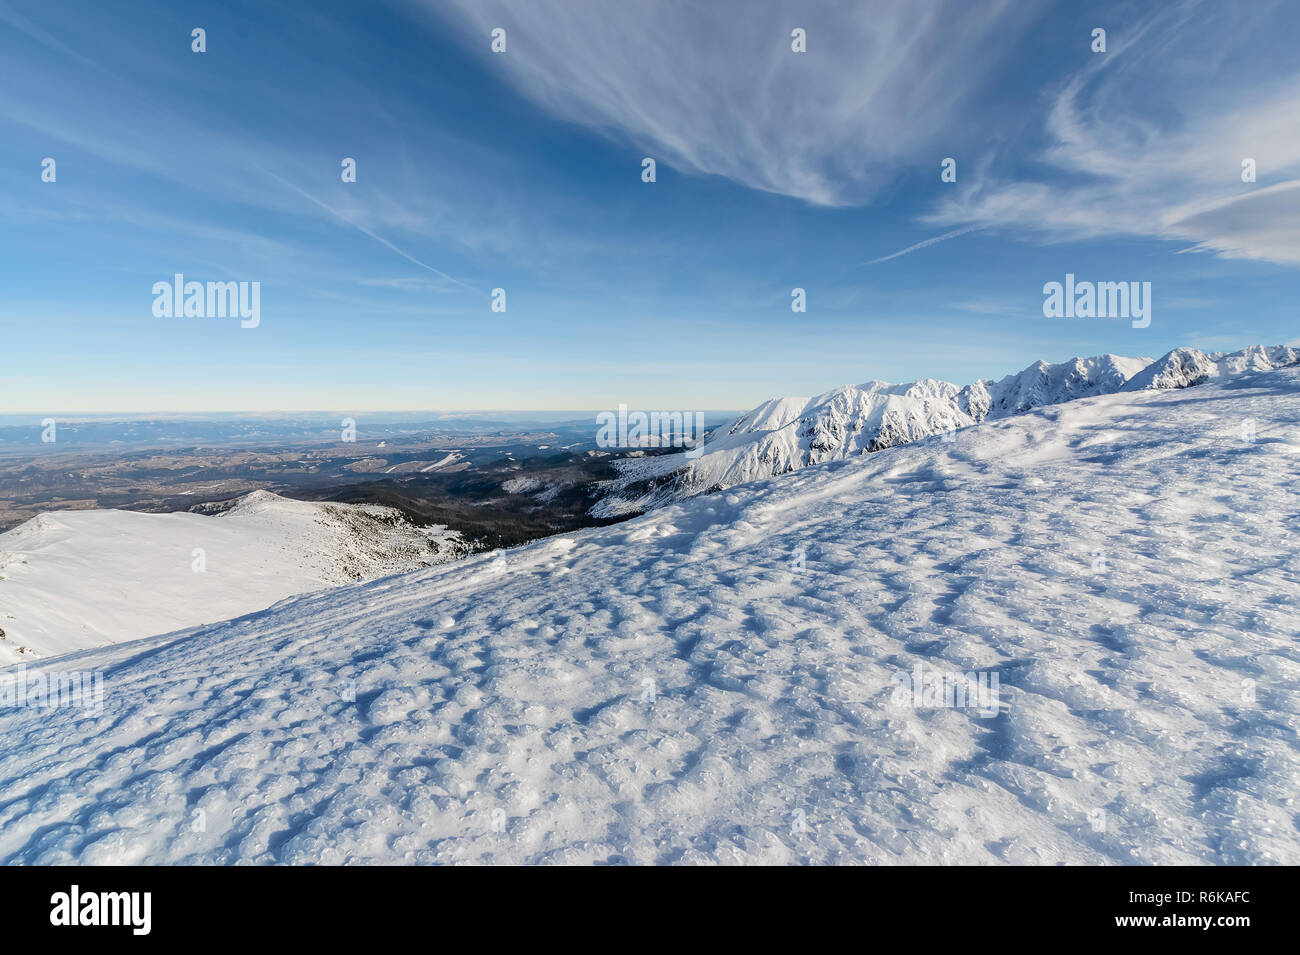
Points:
(719, 681)
(785, 434)
(76, 579)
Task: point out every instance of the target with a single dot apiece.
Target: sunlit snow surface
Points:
(674, 689)
(70, 580)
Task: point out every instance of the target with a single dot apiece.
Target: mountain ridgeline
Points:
(786, 434)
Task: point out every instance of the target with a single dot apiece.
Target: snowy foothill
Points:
(70, 580)
(750, 676)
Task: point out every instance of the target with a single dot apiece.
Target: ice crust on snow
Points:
(712, 682)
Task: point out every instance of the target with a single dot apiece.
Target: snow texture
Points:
(717, 681)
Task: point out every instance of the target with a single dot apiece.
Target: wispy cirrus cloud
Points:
(1150, 139)
(1145, 140)
(368, 232)
(925, 244)
(714, 87)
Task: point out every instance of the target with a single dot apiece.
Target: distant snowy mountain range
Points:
(786, 434)
(76, 579)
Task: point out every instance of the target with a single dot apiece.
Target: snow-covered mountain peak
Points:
(1044, 384)
(1255, 358)
(770, 415)
(1180, 368)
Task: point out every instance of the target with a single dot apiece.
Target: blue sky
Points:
(522, 171)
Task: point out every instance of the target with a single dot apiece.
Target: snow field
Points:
(678, 689)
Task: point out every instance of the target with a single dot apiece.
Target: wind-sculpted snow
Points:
(719, 681)
(785, 434)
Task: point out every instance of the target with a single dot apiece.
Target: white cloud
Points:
(714, 88)
(1150, 142)
(1146, 140)
(924, 244)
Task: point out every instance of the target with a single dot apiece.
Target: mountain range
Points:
(786, 434)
